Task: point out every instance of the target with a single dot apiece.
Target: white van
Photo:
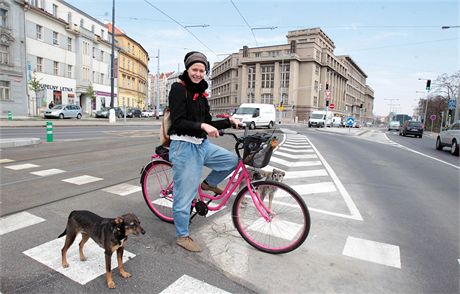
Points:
(320, 119)
(256, 115)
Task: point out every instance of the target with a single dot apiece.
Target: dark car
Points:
(133, 112)
(104, 112)
(413, 128)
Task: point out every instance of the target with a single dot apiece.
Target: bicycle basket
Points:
(258, 149)
(163, 152)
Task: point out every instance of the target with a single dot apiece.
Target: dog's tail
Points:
(63, 233)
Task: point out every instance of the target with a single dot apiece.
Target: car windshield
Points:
(317, 116)
(245, 110)
(415, 124)
(57, 107)
(104, 108)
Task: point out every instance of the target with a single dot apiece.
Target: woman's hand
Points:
(234, 121)
(210, 130)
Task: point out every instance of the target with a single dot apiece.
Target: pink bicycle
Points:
(269, 215)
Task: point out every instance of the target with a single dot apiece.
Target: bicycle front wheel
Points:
(289, 222)
(157, 189)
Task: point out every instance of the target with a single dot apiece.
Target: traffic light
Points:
(361, 106)
(327, 86)
(327, 103)
(428, 85)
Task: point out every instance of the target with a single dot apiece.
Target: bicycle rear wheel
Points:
(289, 224)
(157, 188)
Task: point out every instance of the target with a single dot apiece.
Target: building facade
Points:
(13, 80)
(301, 76)
(68, 55)
(132, 71)
(159, 87)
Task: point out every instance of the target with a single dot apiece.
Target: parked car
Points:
(64, 111)
(414, 128)
(133, 112)
(449, 137)
(104, 112)
(223, 115)
(148, 113)
(357, 124)
(394, 125)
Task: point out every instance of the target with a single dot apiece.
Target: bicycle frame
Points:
(240, 173)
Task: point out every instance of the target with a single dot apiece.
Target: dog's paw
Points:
(65, 265)
(83, 258)
(111, 285)
(125, 275)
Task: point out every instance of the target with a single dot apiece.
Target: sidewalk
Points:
(40, 122)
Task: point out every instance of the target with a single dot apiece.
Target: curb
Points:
(18, 142)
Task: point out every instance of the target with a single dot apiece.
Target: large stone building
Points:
(303, 75)
(159, 87)
(13, 80)
(132, 71)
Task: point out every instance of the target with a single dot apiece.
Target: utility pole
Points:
(112, 74)
(391, 103)
(157, 112)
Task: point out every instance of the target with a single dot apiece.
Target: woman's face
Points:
(196, 72)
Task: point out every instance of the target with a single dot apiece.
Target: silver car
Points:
(64, 111)
(450, 137)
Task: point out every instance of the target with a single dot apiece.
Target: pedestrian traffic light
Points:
(327, 86)
(327, 102)
(428, 85)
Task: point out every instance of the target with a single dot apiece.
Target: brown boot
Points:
(205, 186)
(188, 244)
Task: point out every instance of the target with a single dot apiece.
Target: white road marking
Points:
(80, 271)
(372, 251)
(346, 197)
(315, 188)
(420, 153)
(305, 174)
(123, 189)
(21, 166)
(294, 164)
(6, 160)
(81, 180)
(296, 145)
(48, 172)
(18, 221)
(296, 156)
(296, 150)
(189, 285)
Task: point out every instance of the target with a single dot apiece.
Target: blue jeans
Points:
(188, 160)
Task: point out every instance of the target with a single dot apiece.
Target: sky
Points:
(398, 44)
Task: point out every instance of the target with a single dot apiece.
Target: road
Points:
(384, 218)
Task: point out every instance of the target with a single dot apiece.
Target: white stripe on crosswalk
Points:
(122, 189)
(372, 251)
(294, 164)
(21, 166)
(189, 285)
(47, 172)
(296, 156)
(305, 174)
(306, 189)
(81, 180)
(297, 150)
(18, 221)
(80, 271)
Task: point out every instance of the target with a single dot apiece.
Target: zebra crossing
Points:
(306, 171)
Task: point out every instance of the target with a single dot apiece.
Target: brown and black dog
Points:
(109, 233)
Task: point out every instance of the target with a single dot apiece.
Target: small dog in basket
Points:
(258, 174)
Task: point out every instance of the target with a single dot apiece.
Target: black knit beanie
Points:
(194, 57)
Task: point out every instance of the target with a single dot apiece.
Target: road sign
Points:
(331, 106)
(452, 103)
(433, 117)
(350, 121)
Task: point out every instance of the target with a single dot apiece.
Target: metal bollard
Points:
(10, 116)
(49, 131)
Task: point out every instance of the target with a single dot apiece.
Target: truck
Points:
(256, 115)
(320, 119)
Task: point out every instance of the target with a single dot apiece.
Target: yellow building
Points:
(132, 71)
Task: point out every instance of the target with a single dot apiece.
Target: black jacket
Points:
(189, 109)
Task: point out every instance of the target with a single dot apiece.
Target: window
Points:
(102, 78)
(94, 52)
(102, 34)
(285, 75)
(55, 10)
(92, 28)
(39, 64)
(69, 71)
(4, 54)
(55, 38)
(82, 22)
(251, 77)
(69, 44)
(56, 68)
(4, 90)
(39, 29)
(267, 98)
(69, 18)
(3, 17)
(268, 75)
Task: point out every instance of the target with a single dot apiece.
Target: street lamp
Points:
(112, 74)
(449, 27)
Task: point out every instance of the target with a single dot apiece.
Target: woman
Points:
(190, 149)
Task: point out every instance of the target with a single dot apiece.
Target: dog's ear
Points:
(283, 173)
(118, 220)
